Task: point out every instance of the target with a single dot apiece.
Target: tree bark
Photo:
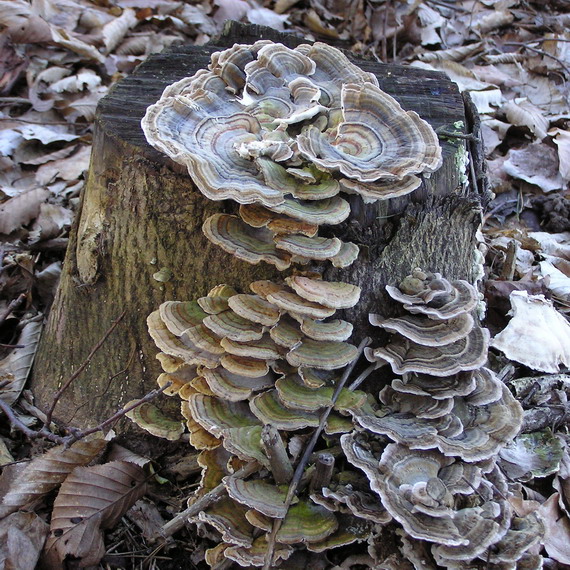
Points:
(141, 214)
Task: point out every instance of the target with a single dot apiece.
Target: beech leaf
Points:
(46, 472)
(16, 366)
(20, 210)
(22, 536)
(91, 499)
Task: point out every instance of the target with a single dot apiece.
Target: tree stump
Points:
(137, 239)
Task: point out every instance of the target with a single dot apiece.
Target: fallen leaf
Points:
(559, 283)
(116, 29)
(537, 164)
(50, 222)
(69, 168)
(529, 455)
(5, 455)
(20, 210)
(86, 78)
(537, 336)
(266, 17)
(557, 530)
(22, 26)
(555, 244)
(22, 537)
(46, 472)
(45, 134)
(89, 500)
(18, 363)
(12, 64)
(230, 10)
(562, 141)
(525, 114)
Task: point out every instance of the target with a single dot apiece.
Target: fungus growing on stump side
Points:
(287, 134)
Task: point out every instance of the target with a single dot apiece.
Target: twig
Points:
(59, 393)
(117, 374)
(216, 493)
(363, 375)
(307, 454)
(14, 304)
(457, 135)
(75, 434)
(540, 52)
(80, 434)
(19, 425)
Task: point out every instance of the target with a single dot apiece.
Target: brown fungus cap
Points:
(228, 324)
(176, 347)
(405, 355)
(369, 144)
(336, 294)
(328, 355)
(255, 309)
(427, 332)
(215, 414)
(233, 387)
(245, 242)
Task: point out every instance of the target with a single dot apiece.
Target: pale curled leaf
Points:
(22, 536)
(116, 29)
(537, 335)
(21, 209)
(91, 499)
(46, 472)
(17, 364)
(557, 535)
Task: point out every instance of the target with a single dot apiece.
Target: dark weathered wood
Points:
(140, 212)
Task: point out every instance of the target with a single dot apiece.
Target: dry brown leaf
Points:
(70, 168)
(22, 536)
(557, 530)
(266, 17)
(66, 40)
(16, 366)
(12, 64)
(21, 24)
(46, 134)
(86, 78)
(45, 473)
(537, 164)
(21, 210)
(230, 10)
(537, 336)
(50, 222)
(5, 455)
(525, 114)
(91, 499)
(562, 141)
(116, 30)
(83, 106)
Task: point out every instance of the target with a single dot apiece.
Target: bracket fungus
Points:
(281, 132)
(287, 134)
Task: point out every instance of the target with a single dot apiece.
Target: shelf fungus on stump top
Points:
(281, 132)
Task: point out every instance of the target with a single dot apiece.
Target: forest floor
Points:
(58, 58)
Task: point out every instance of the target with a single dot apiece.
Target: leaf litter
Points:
(58, 58)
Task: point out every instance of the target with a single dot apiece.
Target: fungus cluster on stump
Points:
(287, 134)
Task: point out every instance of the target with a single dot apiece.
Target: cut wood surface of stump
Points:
(138, 241)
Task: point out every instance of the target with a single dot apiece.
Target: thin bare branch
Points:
(202, 503)
(59, 393)
(307, 454)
